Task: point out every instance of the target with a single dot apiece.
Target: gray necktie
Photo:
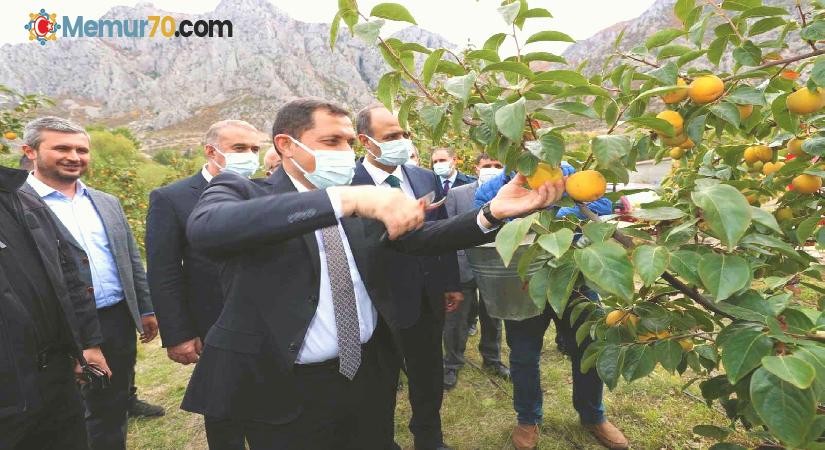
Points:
(343, 301)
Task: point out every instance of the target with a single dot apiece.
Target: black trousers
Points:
(107, 409)
(456, 329)
(223, 434)
(337, 413)
(423, 357)
(58, 423)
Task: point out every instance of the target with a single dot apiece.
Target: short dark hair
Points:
(363, 121)
(450, 151)
(482, 156)
(296, 116)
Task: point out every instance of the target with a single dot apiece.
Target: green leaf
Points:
(814, 146)
(606, 265)
(639, 362)
(791, 369)
(663, 37)
(669, 51)
(599, 231)
(784, 118)
(765, 25)
(348, 10)
(368, 31)
(668, 353)
(333, 30)
(577, 108)
(685, 263)
(765, 219)
(727, 112)
(743, 347)
(449, 68)
(484, 54)
(387, 87)
(560, 285)
(660, 213)
(431, 115)
(510, 119)
(763, 11)
(537, 287)
(746, 95)
(536, 13)
(430, 64)
(510, 237)
(392, 11)
(609, 365)
(565, 76)
(652, 123)
(552, 149)
(510, 66)
(786, 410)
(712, 431)
(806, 228)
(404, 111)
(726, 211)
(658, 91)
(550, 36)
(650, 261)
(510, 11)
(814, 355)
(610, 149)
(748, 54)
(494, 42)
(716, 48)
(814, 31)
(543, 56)
(557, 243)
(683, 8)
(460, 87)
(723, 275)
(666, 74)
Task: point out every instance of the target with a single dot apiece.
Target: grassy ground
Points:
(477, 414)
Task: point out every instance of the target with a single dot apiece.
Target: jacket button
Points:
(90, 290)
(293, 348)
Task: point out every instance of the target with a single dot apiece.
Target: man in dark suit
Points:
(108, 260)
(49, 326)
(424, 286)
(444, 165)
(460, 200)
(303, 353)
(185, 282)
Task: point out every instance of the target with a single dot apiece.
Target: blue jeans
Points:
(526, 338)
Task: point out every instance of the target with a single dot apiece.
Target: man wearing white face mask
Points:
(426, 286)
(304, 353)
(456, 328)
(444, 160)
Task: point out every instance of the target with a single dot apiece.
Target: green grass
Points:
(477, 414)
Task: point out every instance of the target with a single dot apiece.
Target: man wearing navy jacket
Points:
(427, 286)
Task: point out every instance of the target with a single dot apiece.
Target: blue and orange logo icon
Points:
(42, 26)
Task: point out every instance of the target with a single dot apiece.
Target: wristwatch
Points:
(485, 211)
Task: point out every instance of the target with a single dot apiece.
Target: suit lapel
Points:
(411, 176)
(67, 235)
(114, 230)
(361, 177)
(281, 183)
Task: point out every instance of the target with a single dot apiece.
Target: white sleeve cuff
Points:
(335, 199)
(484, 229)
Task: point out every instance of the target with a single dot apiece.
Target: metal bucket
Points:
(503, 292)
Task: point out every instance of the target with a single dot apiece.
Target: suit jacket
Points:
(422, 278)
(460, 200)
(19, 390)
(124, 248)
(263, 238)
(183, 281)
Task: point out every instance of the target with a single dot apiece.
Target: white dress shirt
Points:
(379, 177)
(321, 341)
(206, 174)
(452, 179)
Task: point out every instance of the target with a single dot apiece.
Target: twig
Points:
(720, 12)
(618, 118)
(515, 39)
(640, 60)
(808, 337)
(673, 281)
(783, 61)
(804, 23)
(489, 377)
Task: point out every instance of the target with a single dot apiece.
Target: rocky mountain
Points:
(169, 89)
(597, 48)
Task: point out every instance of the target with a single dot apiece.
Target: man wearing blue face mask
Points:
(183, 281)
(424, 287)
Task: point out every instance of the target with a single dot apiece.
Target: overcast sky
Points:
(457, 20)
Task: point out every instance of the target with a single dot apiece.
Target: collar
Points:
(451, 178)
(44, 190)
(379, 175)
(298, 185)
(11, 179)
(205, 173)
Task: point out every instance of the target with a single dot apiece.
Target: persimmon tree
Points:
(15, 109)
(705, 280)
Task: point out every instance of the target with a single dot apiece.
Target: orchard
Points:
(704, 281)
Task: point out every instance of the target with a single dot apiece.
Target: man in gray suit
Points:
(456, 328)
(95, 222)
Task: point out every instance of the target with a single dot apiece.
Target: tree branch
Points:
(783, 61)
(639, 60)
(721, 13)
(804, 23)
(673, 281)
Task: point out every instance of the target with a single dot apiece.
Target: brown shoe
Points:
(608, 435)
(525, 437)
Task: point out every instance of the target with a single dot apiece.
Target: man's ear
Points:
(29, 152)
(362, 138)
(283, 145)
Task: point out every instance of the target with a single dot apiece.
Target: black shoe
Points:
(139, 408)
(472, 330)
(499, 369)
(443, 446)
(450, 378)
